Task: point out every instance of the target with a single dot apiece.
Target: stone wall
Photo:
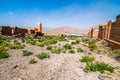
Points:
(115, 30)
(111, 33)
(93, 32)
(5, 30)
(20, 31)
(103, 31)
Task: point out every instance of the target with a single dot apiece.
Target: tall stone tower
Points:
(40, 27)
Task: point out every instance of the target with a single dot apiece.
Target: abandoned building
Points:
(93, 32)
(110, 32)
(8, 30)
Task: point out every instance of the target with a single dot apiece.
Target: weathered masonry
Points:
(111, 33)
(93, 32)
(7, 30)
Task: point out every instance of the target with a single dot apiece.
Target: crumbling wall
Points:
(115, 30)
(5, 30)
(93, 32)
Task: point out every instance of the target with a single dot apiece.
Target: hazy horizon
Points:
(55, 13)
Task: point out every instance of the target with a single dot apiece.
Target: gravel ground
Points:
(63, 66)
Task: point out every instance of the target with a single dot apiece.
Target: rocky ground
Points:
(63, 66)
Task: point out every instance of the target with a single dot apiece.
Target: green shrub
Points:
(64, 51)
(103, 42)
(16, 42)
(53, 41)
(41, 44)
(92, 41)
(117, 51)
(31, 41)
(26, 53)
(72, 51)
(73, 43)
(56, 50)
(2, 48)
(12, 46)
(77, 41)
(92, 46)
(80, 50)
(85, 40)
(98, 66)
(43, 55)
(87, 58)
(23, 39)
(67, 46)
(4, 54)
(32, 61)
(49, 48)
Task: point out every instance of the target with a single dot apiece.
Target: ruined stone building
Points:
(7, 30)
(111, 33)
(102, 31)
(93, 32)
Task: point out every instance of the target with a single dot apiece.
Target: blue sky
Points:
(56, 13)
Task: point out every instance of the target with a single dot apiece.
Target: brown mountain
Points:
(63, 30)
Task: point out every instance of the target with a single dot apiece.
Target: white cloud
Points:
(11, 13)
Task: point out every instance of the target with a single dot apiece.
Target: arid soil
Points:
(63, 66)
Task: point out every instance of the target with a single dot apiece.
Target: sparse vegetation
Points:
(32, 61)
(103, 42)
(26, 53)
(43, 55)
(87, 58)
(23, 39)
(49, 48)
(4, 54)
(70, 45)
(56, 50)
(117, 52)
(80, 50)
(76, 42)
(67, 46)
(92, 46)
(98, 66)
(16, 46)
(72, 51)
(91, 43)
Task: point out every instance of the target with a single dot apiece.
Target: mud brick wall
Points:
(5, 30)
(113, 44)
(31, 31)
(103, 31)
(39, 27)
(115, 30)
(20, 31)
(93, 33)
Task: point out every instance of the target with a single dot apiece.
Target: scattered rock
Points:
(19, 79)
(89, 53)
(15, 66)
(104, 77)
